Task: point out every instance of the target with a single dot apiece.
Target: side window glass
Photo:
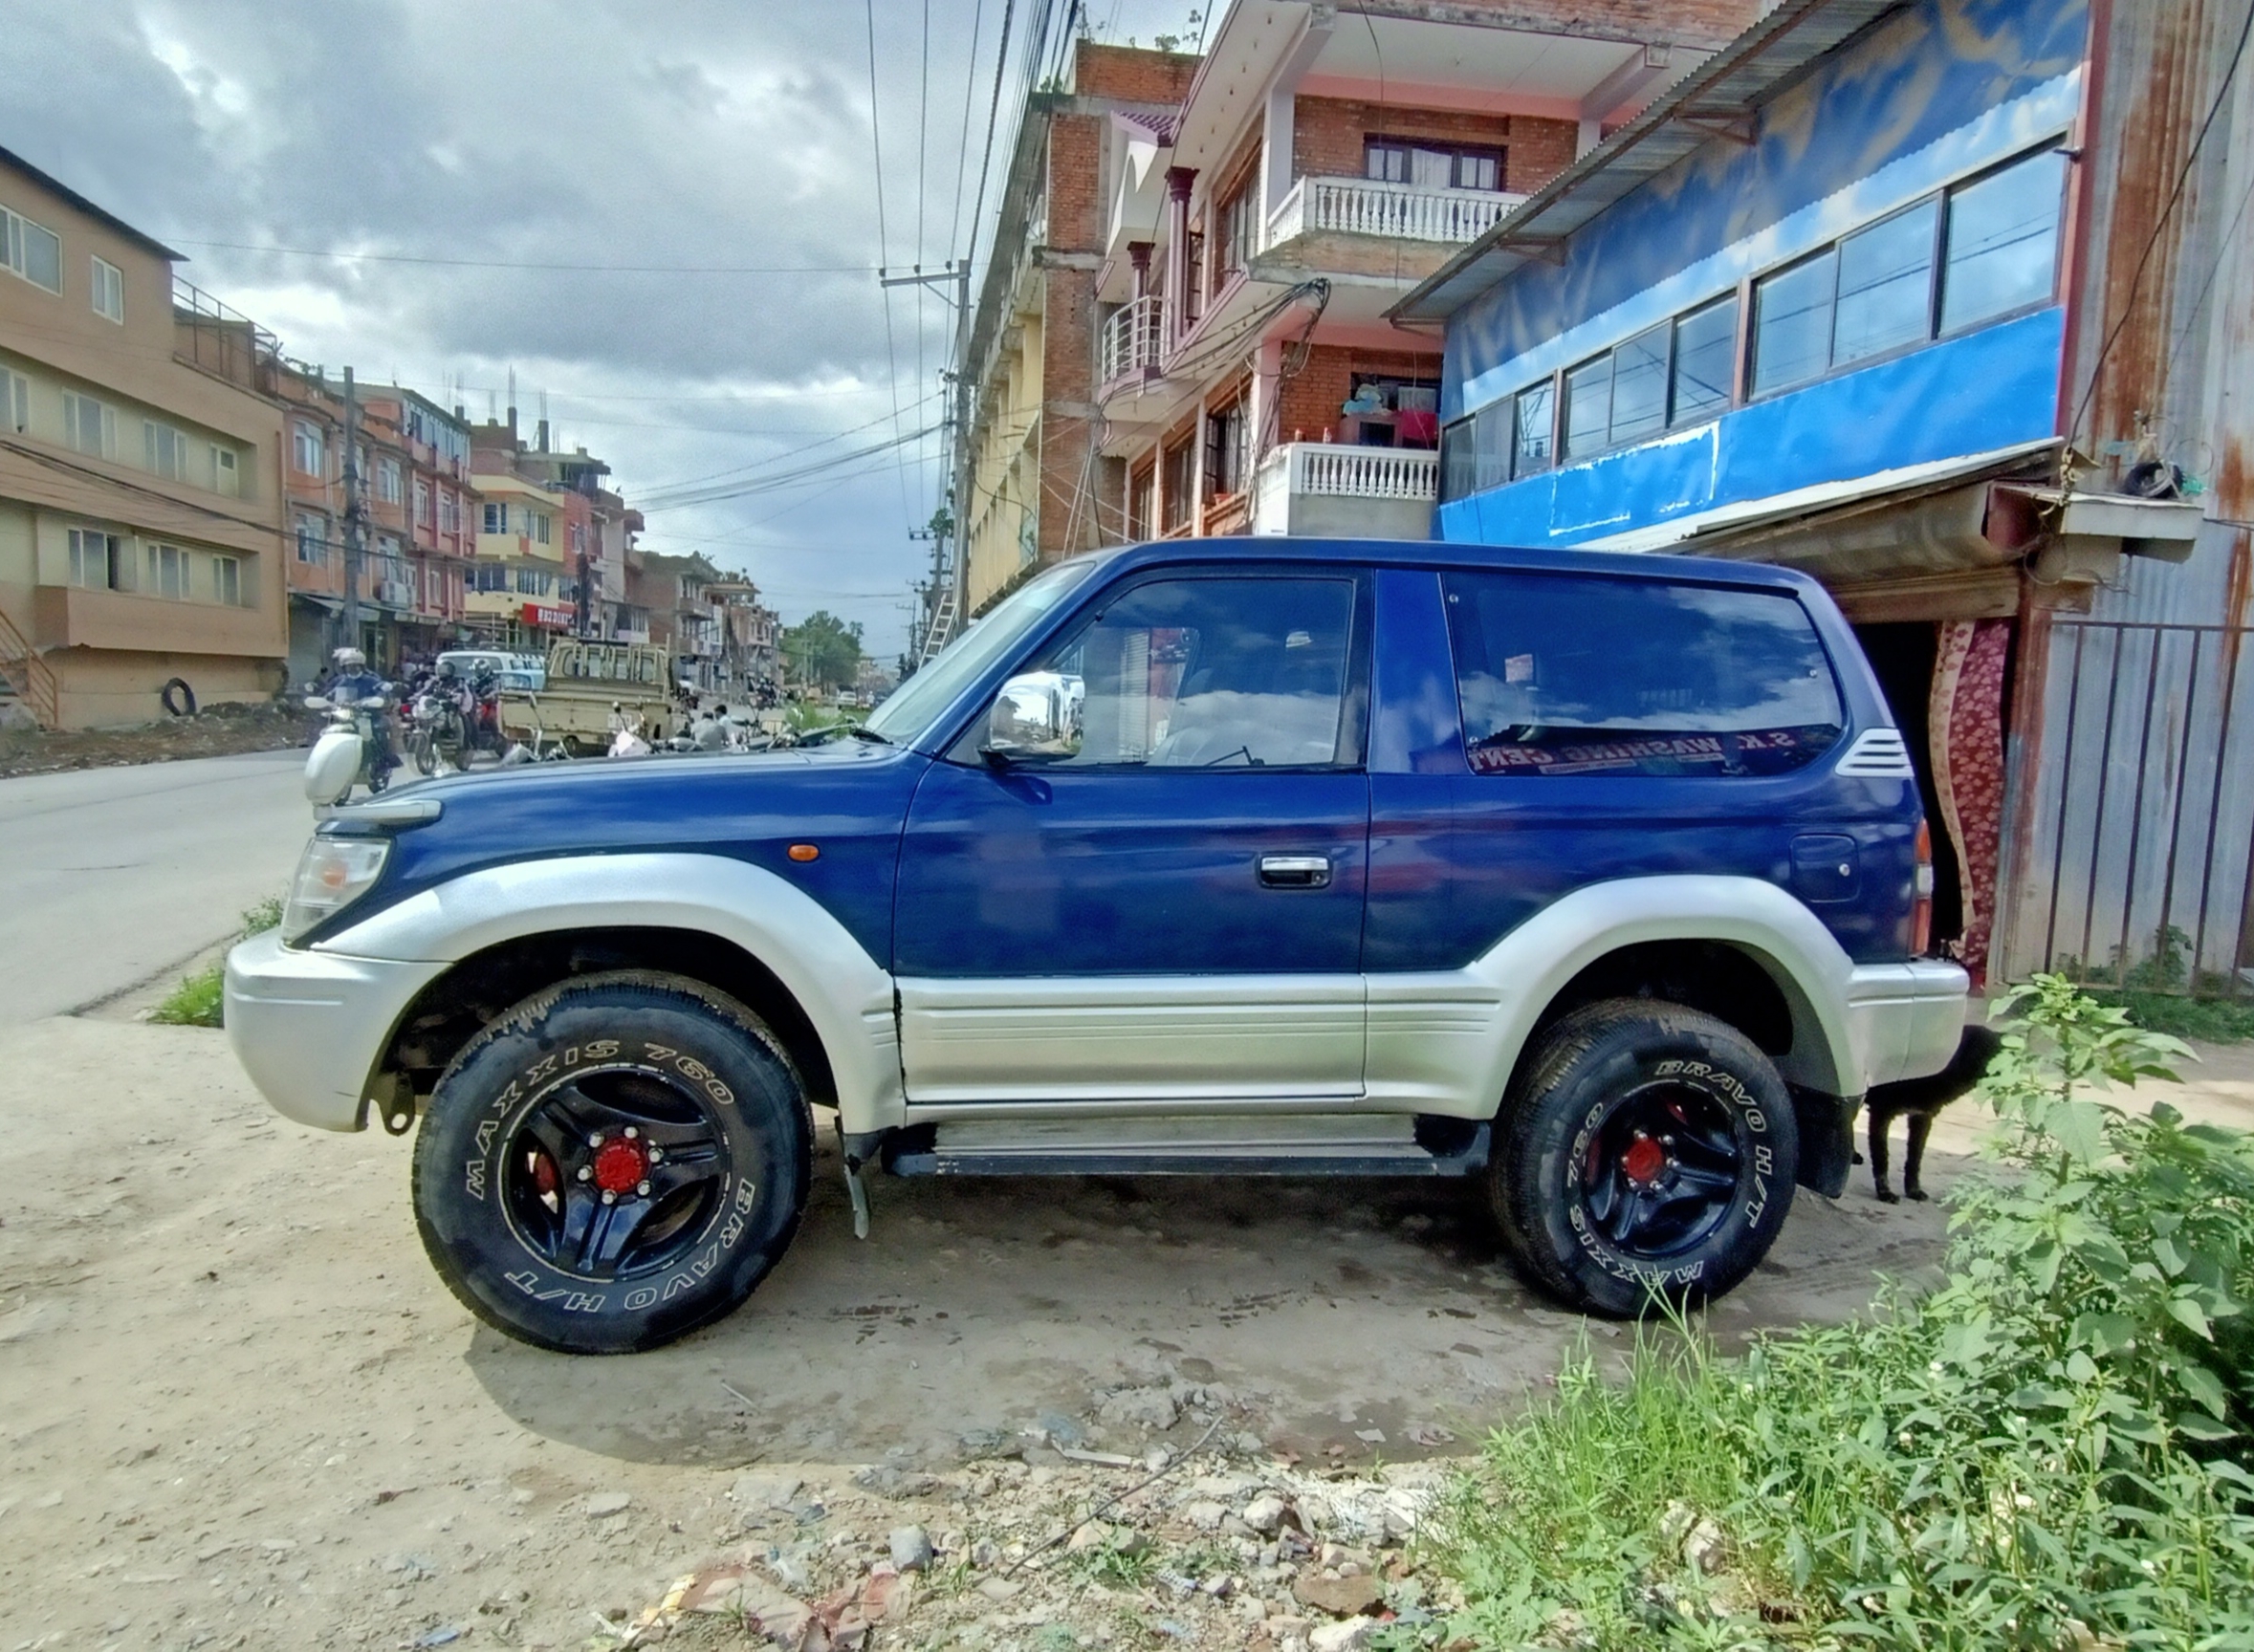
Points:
(1570, 674)
(1214, 674)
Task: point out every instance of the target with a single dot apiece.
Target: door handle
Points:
(1296, 871)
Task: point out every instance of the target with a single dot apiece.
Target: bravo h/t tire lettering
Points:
(614, 1162)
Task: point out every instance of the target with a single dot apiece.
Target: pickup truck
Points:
(1599, 882)
(590, 690)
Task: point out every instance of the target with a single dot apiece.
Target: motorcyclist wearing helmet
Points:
(351, 680)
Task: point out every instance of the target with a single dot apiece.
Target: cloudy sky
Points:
(446, 172)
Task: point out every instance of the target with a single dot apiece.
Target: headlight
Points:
(332, 874)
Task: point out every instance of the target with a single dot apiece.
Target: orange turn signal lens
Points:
(805, 852)
(1921, 895)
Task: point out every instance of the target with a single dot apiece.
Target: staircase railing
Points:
(30, 676)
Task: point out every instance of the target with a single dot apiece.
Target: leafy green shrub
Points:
(200, 1000)
(2040, 1454)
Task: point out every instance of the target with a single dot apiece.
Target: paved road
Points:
(108, 875)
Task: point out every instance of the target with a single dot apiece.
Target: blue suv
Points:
(1601, 881)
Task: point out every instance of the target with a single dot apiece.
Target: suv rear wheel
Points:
(612, 1164)
(1645, 1154)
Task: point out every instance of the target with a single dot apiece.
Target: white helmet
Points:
(349, 659)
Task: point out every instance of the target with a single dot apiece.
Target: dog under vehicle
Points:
(1599, 882)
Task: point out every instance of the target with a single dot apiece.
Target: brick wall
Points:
(1308, 404)
(1132, 75)
(1329, 133)
(1076, 170)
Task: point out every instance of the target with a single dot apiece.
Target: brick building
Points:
(1201, 274)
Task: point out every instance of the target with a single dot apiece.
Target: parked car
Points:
(1599, 880)
(516, 673)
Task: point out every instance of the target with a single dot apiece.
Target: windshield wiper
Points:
(845, 731)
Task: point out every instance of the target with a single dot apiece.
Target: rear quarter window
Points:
(1577, 674)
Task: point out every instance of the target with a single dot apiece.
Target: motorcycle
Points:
(345, 754)
(439, 710)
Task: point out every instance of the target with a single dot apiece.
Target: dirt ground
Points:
(219, 731)
(238, 1410)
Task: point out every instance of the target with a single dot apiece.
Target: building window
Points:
(312, 539)
(98, 560)
(1588, 407)
(540, 527)
(1226, 450)
(1704, 372)
(1237, 232)
(305, 449)
(226, 472)
(1142, 496)
(109, 290)
(487, 577)
(1179, 466)
(1536, 417)
(497, 518)
(163, 450)
(1423, 166)
(1885, 286)
(89, 427)
(422, 499)
(387, 476)
(168, 572)
(1792, 323)
(227, 580)
(2002, 252)
(450, 510)
(30, 251)
(15, 401)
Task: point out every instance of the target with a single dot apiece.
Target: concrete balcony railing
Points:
(1130, 341)
(1325, 487)
(1403, 211)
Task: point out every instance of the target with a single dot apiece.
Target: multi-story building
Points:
(1202, 253)
(1943, 303)
(684, 613)
(532, 535)
(141, 510)
(750, 636)
(417, 505)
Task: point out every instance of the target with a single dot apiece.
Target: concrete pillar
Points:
(1179, 182)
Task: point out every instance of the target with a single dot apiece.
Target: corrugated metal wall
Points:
(2143, 790)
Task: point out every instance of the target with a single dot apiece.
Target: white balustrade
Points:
(1403, 211)
(1130, 340)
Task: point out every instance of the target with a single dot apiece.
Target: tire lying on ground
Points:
(612, 1164)
(177, 698)
(1645, 1154)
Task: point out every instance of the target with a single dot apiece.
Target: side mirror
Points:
(1036, 718)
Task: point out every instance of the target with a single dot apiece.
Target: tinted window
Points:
(1886, 285)
(2002, 241)
(1215, 674)
(1458, 465)
(1565, 674)
(1792, 324)
(1705, 362)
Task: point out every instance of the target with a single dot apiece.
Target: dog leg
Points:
(1878, 1123)
(1914, 1157)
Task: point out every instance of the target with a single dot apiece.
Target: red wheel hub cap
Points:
(1644, 1161)
(620, 1165)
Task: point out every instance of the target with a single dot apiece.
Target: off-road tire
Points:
(1560, 1184)
(692, 1066)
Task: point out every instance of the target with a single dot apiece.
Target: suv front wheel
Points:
(612, 1164)
(1645, 1154)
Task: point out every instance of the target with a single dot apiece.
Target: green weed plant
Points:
(2046, 1451)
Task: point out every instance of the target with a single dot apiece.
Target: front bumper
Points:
(309, 1025)
(1906, 1019)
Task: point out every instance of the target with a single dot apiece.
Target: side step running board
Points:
(1423, 1146)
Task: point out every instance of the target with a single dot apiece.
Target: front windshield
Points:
(907, 714)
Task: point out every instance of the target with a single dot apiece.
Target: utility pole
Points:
(950, 556)
(354, 516)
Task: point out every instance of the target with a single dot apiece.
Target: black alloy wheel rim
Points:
(614, 1173)
(1662, 1170)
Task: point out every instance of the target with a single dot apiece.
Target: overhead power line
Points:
(767, 484)
(350, 257)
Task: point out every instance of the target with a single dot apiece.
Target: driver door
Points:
(1173, 912)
